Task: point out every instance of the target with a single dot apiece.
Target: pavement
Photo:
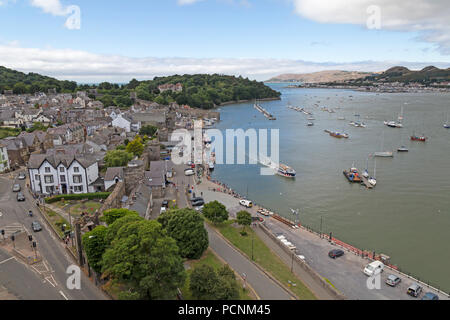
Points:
(51, 274)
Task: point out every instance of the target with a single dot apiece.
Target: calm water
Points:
(407, 216)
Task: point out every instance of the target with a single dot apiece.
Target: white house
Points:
(123, 122)
(62, 174)
(4, 160)
(113, 176)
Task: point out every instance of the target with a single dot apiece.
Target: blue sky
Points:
(199, 33)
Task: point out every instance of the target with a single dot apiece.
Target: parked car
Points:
(414, 290)
(246, 203)
(163, 210)
(198, 203)
(189, 172)
(430, 296)
(374, 268)
(20, 197)
(36, 226)
(393, 280)
(196, 199)
(165, 204)
(336, 253)
(22, 176)
(17, 188)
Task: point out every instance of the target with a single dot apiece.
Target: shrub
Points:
(88, 196)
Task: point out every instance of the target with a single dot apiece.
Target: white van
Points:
(374, 268)
(246, 203)
(189, 172)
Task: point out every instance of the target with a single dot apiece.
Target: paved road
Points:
(49, 246)
(265, 287)
(344, 273)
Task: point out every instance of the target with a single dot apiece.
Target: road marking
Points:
(64, 296)
(5, 261)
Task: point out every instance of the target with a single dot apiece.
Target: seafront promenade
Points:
(345, 274)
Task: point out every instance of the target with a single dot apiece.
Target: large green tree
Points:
(216, 212)
(203, 283)
(135, 147)
(187, 227)
(146, 259)
(95, 244)
(244, 219)
(112, 215)
(117, 158)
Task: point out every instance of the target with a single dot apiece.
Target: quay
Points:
(264, 112)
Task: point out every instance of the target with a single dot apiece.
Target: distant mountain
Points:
(429, 74)
(322, 76)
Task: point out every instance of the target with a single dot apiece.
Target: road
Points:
(265, 287)
(345, 273)
(51, 249)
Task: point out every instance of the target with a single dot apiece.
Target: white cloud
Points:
(428, 17)
(185, 2)
(56, 8)
(84, 66)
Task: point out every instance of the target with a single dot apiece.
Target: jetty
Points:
(264, 112)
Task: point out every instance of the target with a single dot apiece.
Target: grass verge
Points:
(264, 257)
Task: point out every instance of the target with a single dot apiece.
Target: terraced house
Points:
(4, 161)
(62, 174)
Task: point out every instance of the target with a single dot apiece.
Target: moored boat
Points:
(352, 175)
(419, 138)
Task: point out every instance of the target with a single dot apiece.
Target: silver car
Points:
(17, 188)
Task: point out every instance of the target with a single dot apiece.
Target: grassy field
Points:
(265, 257)
(57, 221)
(8, 132)
(77, 207)
(210, 259)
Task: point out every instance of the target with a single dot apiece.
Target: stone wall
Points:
(133, 176)
(114, 199)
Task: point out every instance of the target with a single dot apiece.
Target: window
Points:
(77, 179)
(48, 179)
(47, 169)
(78, 189)
(63, 179)
(36, 177)
(61, 169)
(76, 169)
(49, 189)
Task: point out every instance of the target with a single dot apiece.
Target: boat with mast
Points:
(383, 154)
(373, 180)
(446, 124)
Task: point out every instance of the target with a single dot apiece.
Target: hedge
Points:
(83, 196)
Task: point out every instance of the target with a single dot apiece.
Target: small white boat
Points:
(384, 154)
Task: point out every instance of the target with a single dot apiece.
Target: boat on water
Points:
(358, 124)
(366, 171)
(447, 124)
(286, 171)
(403, 149)
(353, 175)
(341, 118)
(384, 154)
(373, 180)
(393, 124)
(419, 138)
(337, 135)
(311, 118)
(310, 124)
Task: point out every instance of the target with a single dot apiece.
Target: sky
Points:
(114, 40)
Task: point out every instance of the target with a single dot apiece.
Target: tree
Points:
(203, 282)
(216, 212)
(117, 158)
(244, 219)
(148, 130)
(94, 243)
(135, 147)
(146, 260)
(113, 229)
(110, 216)
(187, 227)
(227, 289)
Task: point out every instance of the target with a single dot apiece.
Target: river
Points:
(407, 215)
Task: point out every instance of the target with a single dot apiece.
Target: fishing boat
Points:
(353, 175)
(419, 138)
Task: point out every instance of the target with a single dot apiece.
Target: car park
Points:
(17, 188)
(20, 197)
(393, 281)
(36, 226)
(374, 268)
(414, 290)
(336, 253)
(430, 296)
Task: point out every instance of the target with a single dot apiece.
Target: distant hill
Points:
(21, 82)
(322, 76)
(429, 74)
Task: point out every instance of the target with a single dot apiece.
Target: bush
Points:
(88, 196)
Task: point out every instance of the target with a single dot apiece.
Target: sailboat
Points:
(373, 180)
(366, 171)
(447, 125)
(403, 148)
(384, 154)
